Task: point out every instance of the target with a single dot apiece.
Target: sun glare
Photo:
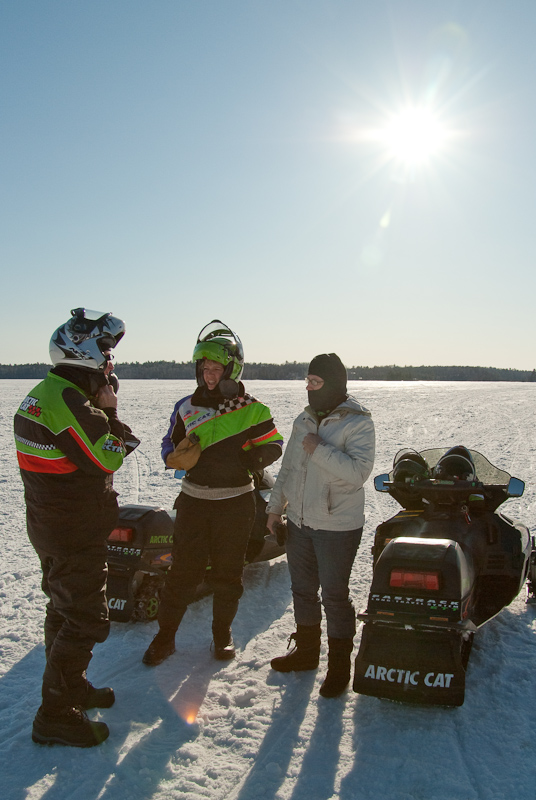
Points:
(413, 136)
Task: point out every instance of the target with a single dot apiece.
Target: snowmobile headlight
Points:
(121, 535)
(410, 579)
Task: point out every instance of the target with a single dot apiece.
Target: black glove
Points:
(257, 458)
(281, 533)
(113, 381)
(251, 460)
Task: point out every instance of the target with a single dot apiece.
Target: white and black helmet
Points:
(82, 341)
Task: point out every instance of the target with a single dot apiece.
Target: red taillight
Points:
(121, 535)
(404, 579)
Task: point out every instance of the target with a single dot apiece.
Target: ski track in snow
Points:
(196, 728)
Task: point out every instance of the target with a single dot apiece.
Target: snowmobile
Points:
(443, 566)
(139, 554)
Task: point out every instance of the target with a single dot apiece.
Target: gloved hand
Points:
(186, 454)
(251, 459)
(256, 458)
(281, 533)
(277, 525)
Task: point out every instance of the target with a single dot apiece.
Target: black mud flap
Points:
(409, 665)
(120, 596)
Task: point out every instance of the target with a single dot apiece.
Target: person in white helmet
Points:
(70, 442)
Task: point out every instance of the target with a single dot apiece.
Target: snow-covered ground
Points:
(195, 728)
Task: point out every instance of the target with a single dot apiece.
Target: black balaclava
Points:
(330, 368)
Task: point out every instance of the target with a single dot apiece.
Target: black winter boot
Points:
(87, 696)
(305, 653)
(69, 727)
(58, 721)
(339, 667)
(162, 646)
(224, 649)
(223, 614)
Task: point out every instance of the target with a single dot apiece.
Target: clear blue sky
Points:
(175, 161)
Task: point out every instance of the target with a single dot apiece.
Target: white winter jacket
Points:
(324, 491)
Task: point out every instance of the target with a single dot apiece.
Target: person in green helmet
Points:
(219, 435)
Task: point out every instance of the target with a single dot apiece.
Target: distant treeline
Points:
(291, 370)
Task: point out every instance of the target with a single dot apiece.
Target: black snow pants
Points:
(207, 530)
(76, 618)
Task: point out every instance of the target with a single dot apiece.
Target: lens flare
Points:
(413, 136)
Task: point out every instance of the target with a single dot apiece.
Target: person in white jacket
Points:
(328, 458)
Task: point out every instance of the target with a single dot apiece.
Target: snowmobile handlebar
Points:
(514, 488)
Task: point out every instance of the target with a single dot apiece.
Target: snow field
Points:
(196, 728)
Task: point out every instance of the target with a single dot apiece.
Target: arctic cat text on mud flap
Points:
(139, 554)
(443, 567)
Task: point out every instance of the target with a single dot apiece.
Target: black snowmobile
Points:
(139, 554)
(442, 567)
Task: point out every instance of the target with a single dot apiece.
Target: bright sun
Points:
(413, 136)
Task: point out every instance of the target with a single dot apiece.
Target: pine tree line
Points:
(291, 370)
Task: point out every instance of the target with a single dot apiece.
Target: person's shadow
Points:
(131, 763)
(318, 769)
(274, 755)
(150, 721)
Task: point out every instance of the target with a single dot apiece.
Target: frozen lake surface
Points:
(195, 728)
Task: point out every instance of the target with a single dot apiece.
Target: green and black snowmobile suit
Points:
(68, 451)
(236, 435)
(216, 507)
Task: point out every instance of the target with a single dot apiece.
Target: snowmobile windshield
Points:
(486, 473)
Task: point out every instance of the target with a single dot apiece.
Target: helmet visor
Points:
(219, 330)
(214, 351)
(219, 334)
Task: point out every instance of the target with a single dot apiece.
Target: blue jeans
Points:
(323, 559)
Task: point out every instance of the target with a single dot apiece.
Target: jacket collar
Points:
(350, 406)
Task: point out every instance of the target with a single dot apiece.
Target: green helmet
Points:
(217, 342)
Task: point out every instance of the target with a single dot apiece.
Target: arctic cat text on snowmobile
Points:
(139, 554)
(443, 567)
